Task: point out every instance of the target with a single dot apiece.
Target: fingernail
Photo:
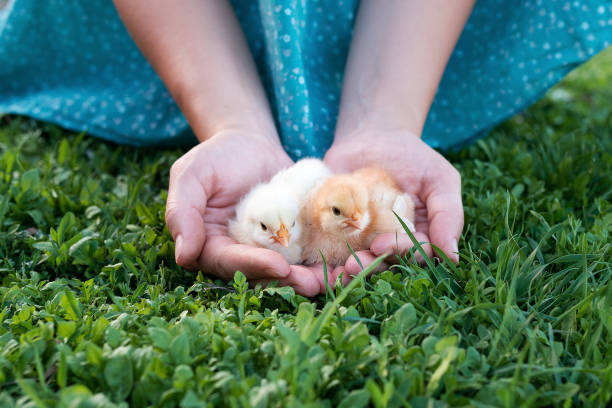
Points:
(455, 251)
(178, 246)
(278, 273)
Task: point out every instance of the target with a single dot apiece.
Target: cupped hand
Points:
(432, 182)
(205, 185)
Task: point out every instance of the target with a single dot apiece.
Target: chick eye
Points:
(263, 226)
(293, 225)
(335, 210)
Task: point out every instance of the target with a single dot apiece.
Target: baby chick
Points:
(300, 178)
(353, 208)
(384, 194)
(267, 216)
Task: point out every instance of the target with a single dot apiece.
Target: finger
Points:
(346, 278)
(301, 278)
(400, 244)
(222, 257)
(185, 208)
(305, 280)
(319, 273)
(366, 258)
(445, 212)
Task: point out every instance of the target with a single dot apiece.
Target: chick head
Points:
(268, 217)
(341, 205)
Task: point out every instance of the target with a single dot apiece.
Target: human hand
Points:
(205, 185)
(432, 182)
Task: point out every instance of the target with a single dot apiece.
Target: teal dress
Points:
(74, 64)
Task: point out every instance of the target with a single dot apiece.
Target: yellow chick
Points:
(384, 194)
(352, 208)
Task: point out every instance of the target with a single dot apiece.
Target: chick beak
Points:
(355, 221)
(282, 236)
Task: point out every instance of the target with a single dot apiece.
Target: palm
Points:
(432, 182)
(205, 186)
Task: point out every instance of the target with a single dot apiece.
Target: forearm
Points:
(397, 57)
(199, 51)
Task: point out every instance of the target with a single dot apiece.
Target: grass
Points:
(95, 313)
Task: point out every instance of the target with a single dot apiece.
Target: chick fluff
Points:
(268, 215)
(352, 208)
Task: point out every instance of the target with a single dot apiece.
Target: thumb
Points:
(445, 213)
(185, 209)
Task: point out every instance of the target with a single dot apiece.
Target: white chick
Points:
(268, 216)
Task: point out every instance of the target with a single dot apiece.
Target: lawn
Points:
(95, 313)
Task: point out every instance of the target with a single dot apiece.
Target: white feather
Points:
(400, 206)
(302, 176)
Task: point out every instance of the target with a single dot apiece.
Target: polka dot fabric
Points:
(73, 63)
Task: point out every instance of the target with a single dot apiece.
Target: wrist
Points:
(209, 114)
(355, 122)
(249, 148)
(207, 122)
(363, 119)
(246, 140)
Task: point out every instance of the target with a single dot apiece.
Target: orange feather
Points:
(351, 208)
